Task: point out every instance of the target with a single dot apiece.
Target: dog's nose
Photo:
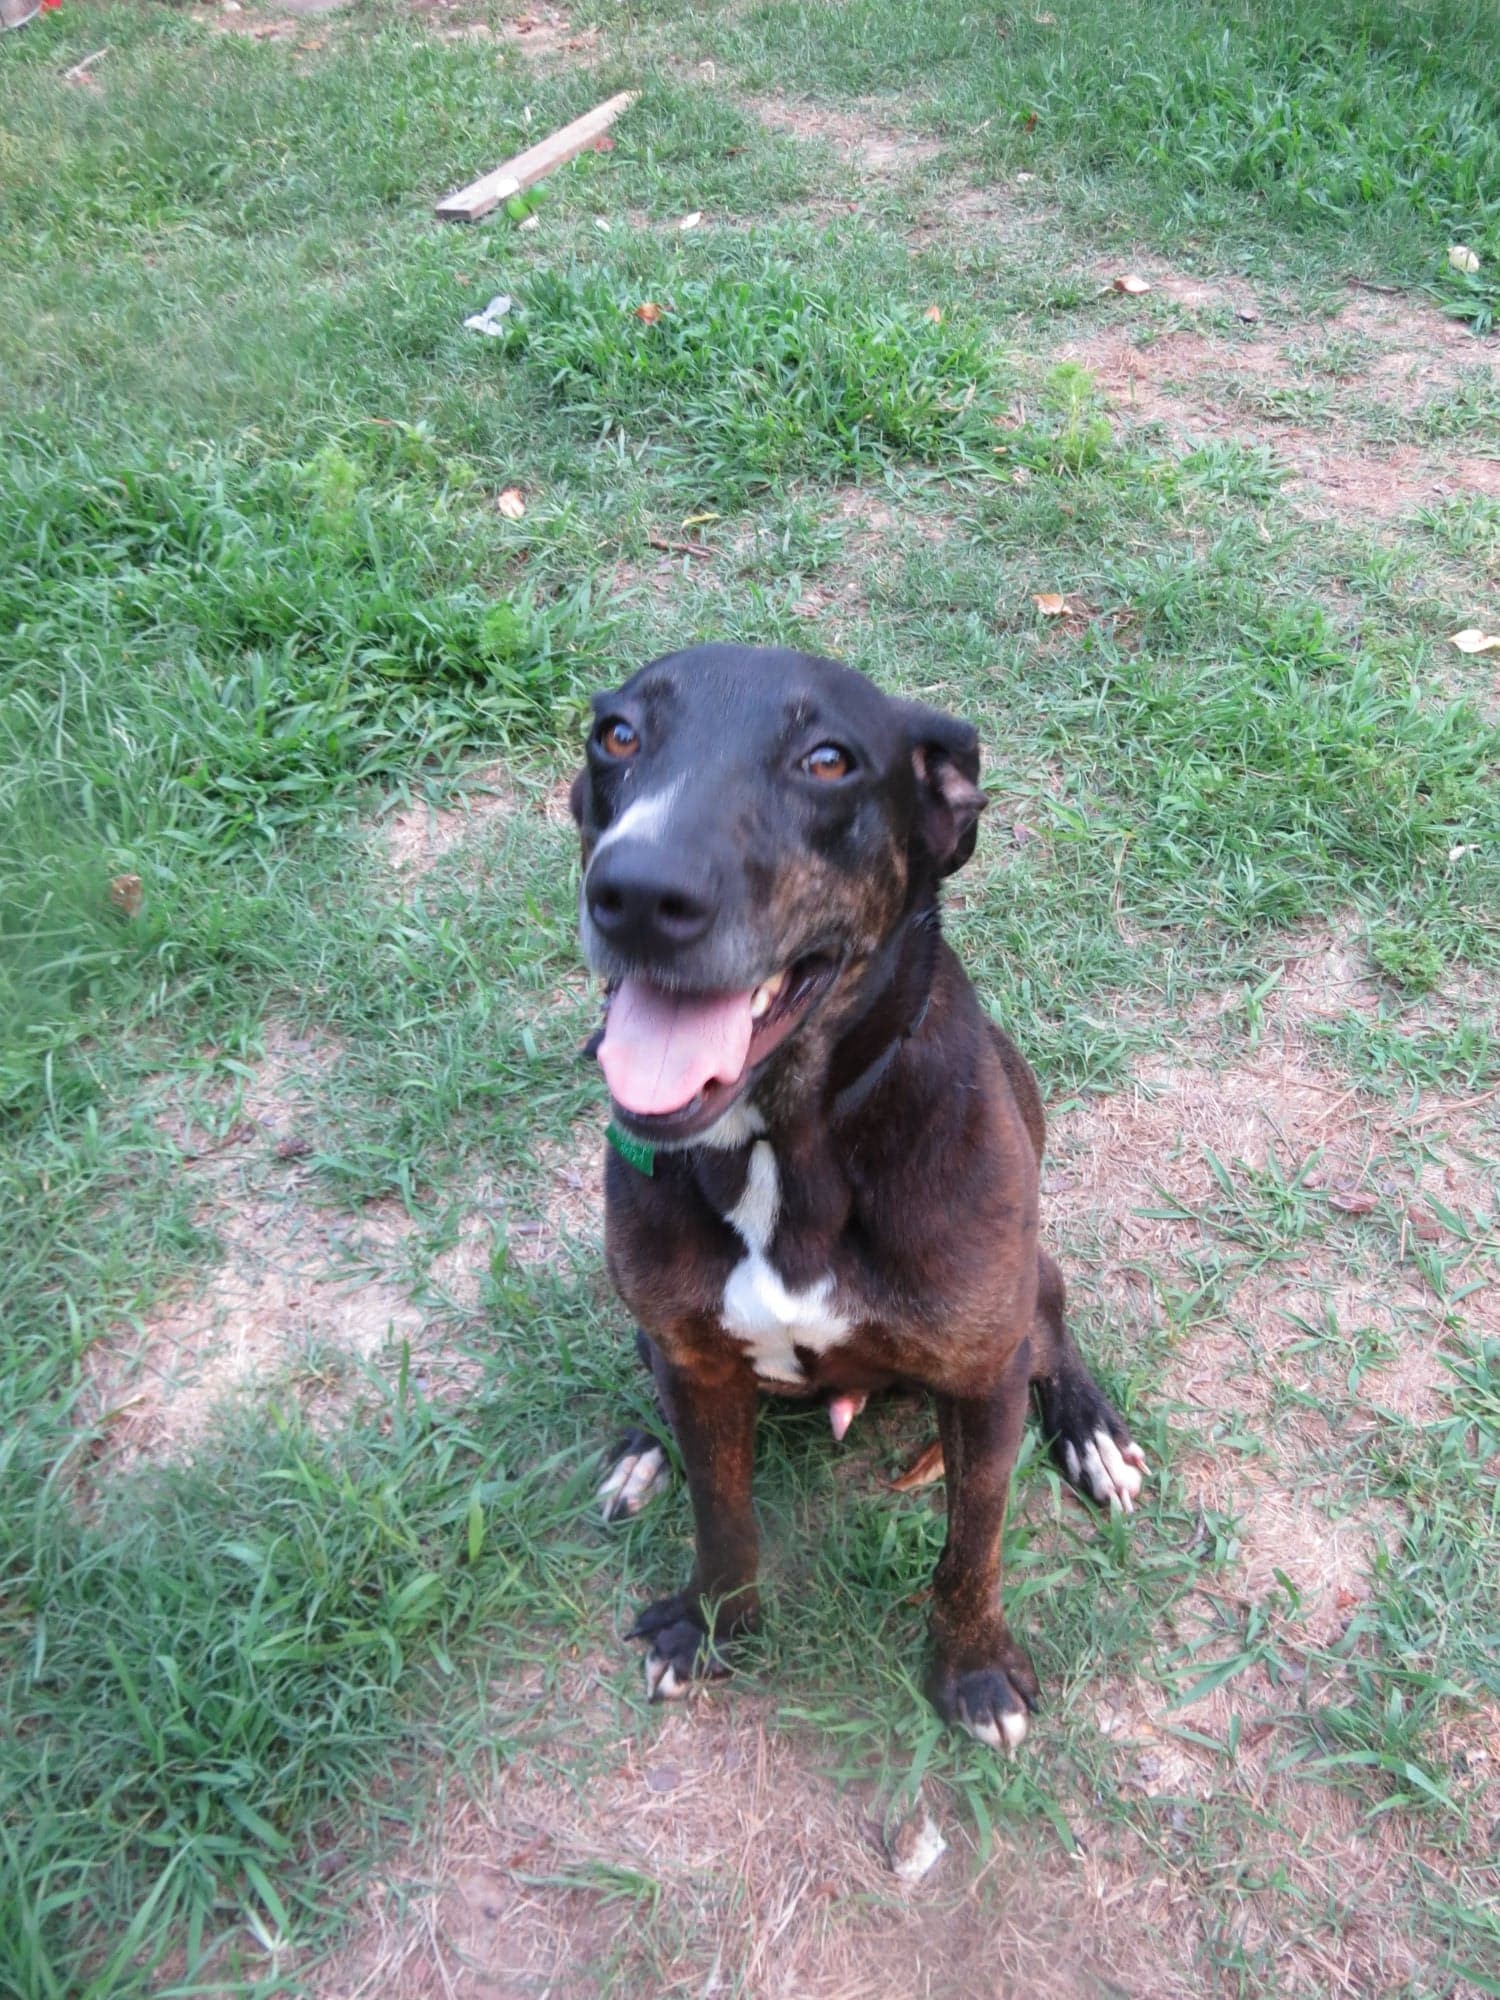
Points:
(649, 902)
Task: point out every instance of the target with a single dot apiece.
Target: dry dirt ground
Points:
(776, 1877)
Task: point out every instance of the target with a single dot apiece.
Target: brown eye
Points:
(618, 739)
(828, 761)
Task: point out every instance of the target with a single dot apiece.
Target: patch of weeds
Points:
(1407, 956)
(1424, 1647)
(1466, 525)
(1468, 413)
(755, 375)
(1078, 434)
(1272, 773)
(226, 1657)
(230, 648)
(1387, 1055)
(1221, 470)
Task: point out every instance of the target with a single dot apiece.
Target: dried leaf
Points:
(935, 314)
(1423, 1223)
(1462, 258)
(126, 895)
(923, 1470)
(531, 222)
(603, 144)
(691, 221)
(1249, 314)
(1472, 640)
(648, 313)
(1131, 283)
(1022, 179)
(293, 1148)
(510, 503)
(1051, 603)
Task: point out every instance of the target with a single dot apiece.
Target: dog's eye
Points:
(828, 762)
(618, 739)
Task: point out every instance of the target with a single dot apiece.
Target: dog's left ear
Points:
(575, 795)
(945, 760)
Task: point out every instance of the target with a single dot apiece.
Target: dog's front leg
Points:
(712, 1412)
(980, 1679)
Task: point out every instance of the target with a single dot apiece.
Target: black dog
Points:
(824, 1174)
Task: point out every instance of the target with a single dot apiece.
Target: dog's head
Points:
(756, 825)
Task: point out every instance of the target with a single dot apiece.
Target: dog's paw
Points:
(682, 1650)
(1092, 1448)
(991, 1703)
(638, 1471)
(1110, 1473)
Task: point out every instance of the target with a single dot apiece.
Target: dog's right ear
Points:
(575, 795)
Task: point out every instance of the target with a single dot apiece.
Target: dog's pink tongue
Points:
(660, 1049)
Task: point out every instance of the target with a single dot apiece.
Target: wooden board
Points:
(527, 168)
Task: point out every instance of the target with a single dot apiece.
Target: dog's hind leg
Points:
(637, 1462)
(1090, 1444)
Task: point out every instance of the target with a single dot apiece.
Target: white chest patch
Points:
(759, 1308)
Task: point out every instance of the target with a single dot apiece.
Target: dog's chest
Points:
(759, 1309)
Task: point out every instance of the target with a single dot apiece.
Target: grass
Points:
(258, 598)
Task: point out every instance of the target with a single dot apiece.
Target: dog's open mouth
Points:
(675, 1062)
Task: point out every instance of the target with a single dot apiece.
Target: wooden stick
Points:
(81, 69)
(527, 168)
(678, 548)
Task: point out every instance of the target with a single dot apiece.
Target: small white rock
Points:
(1462, 258)
(916, 1846)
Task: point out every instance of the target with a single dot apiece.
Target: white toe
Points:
(1094, 1473)
(662, 1683)
(1070, 1459)
(1119, 1490)
(1013, 1729)
(647, 1474)
(1126, 1468)
(987, 1733)
(632, 1481)
(611, 1488)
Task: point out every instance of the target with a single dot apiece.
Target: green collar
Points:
(638, 1153)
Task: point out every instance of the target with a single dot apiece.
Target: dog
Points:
(823, 1175)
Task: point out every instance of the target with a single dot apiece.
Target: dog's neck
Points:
(888, 1008)
(891, 1009)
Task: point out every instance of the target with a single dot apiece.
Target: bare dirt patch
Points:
(544, 35)
(416, 837)
(867, 137)
(1214, 382)
(297, 1299)
(769, 1879)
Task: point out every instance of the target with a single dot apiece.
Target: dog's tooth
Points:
(762, 998)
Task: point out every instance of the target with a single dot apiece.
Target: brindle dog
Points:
(824, 1173)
